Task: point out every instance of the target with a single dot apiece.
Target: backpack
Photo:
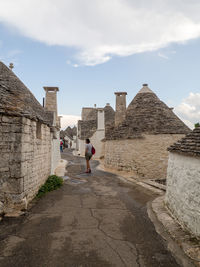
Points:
(93, 150)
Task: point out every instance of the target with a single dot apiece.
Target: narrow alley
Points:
(93, 220)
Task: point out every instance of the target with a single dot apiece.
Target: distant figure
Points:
(88, 154)
(70, 144)
(61, 145)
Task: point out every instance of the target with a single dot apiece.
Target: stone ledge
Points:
(61, 168)
(155, 184)
(180, 241)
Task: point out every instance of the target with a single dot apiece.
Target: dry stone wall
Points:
(145, 157)
(36, 157)
(25, 161)
(10, 151)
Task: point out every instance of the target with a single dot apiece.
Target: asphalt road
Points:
(93, 220)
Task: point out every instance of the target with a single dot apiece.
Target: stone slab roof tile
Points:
(17, 100)
(92, 115)
(109, 119)
(189, 145)
(86, 128)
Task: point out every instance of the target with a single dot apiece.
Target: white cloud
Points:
(101, 29)
(10, 56)
(12, 53)
(189, 109)
(163, 55)
(69, 120)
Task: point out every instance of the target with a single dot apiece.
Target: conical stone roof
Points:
(17, 100)
(148, 114)
(145, 89)
(92, 115)
(109, 115)
(189, 145)
(109, 119)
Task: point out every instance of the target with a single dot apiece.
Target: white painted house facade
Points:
(183, 181)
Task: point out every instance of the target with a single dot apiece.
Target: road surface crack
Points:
(104, 233)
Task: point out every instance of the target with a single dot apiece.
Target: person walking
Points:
(88, 154)
(61, 145)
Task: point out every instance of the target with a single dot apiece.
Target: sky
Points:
(92, 48)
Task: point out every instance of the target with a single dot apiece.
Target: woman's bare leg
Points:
(88, 165)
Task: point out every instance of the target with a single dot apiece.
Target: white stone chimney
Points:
(100, 119)
(120, 113)
(50, 103)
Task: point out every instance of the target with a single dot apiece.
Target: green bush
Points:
(53, 182)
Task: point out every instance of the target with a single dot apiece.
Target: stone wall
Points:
(183, 187)
(25, 150)
(36, 157)
(10, 155)
(145, 157)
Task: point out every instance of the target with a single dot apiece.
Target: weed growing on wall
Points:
(52, 183)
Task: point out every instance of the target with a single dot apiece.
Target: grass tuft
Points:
(52, 183)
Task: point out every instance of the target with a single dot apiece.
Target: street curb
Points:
(176, 238)
(149, 184)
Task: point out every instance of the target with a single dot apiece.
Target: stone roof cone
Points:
(109, 117)
(148, 114)
(189, 145)
(17, 99)
(109, 114)
(145, 89)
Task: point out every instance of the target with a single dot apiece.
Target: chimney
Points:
(50, 103)
(120, 107)
(100, 119)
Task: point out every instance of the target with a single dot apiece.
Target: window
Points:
(38, 130)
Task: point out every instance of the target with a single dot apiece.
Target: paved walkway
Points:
(93, 220)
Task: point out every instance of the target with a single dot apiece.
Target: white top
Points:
(88, 148)
(145, 89)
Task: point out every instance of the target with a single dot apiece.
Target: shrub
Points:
(53, 182)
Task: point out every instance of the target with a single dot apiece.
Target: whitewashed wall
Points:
(74, 142)
(99, 135)
(81, 147)
(68, 140)
(97, 143)
(183, 190)
(55, 152)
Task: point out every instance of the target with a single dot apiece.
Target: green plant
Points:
(197, 125)
(53, 182)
